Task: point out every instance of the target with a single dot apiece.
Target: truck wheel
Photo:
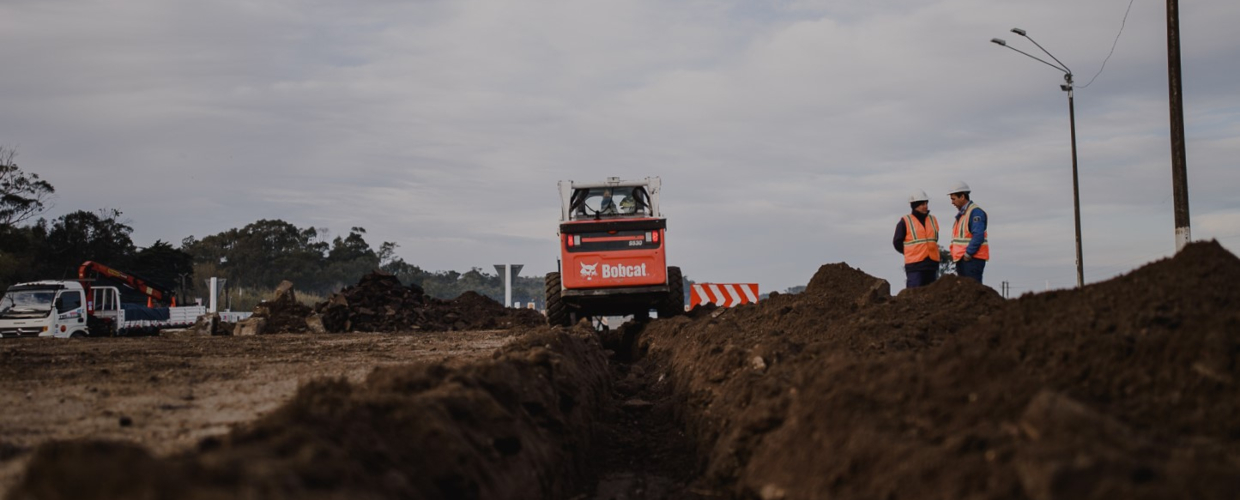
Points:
(674, 303)
(557, 311)
(99, 328)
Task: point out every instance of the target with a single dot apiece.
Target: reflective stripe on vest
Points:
(961, 236)
(920, 241)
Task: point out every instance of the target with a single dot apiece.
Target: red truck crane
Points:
(153, 292)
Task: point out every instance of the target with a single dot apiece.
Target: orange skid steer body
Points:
(613, 259)
(613, 254)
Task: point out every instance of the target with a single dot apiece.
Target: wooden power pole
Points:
(1179, 168)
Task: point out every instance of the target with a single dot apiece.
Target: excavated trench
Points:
(1128, 388)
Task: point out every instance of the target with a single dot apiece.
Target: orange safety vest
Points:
(961, 236)
(920, 241)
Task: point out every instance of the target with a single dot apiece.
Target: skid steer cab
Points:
(613, 254)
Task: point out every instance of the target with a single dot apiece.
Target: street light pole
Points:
(1076, 187)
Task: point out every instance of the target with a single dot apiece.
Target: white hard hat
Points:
(959, 187)
(917, 196)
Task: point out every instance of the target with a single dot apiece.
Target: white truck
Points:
(62, 309)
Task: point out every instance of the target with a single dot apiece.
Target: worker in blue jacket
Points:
(970, 247)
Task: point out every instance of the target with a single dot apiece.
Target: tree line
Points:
(257, 256)
(265, 252)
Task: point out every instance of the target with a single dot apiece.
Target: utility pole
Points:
(1076, 185)
(1179, 167)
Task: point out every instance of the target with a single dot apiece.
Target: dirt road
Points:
(167, 393)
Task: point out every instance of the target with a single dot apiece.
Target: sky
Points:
(788, 134)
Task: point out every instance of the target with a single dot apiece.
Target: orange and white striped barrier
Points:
(723, 294)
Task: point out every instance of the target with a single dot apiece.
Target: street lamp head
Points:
(998, 41)
(1019, 31)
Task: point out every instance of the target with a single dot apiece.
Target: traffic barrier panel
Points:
(723, 294)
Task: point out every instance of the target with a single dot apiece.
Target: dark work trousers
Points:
(971, 269)
(920, 278)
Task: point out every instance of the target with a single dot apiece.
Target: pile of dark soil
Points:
(1123, 389)
(380, 303)
(513, 427)
(473, 311)
(283, 314)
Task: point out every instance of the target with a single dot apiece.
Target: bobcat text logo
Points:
(624, 271)
(590, 270)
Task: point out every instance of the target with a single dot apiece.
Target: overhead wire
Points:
(1122, 23)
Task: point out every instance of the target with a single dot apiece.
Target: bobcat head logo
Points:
(590, 270)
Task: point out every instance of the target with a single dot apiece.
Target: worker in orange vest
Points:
(917, 237)
(970, 248)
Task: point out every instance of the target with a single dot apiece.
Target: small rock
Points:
(285, 293)
(253, 325)
(636, 404)
(758, 363)
(314, 323)
(772, 492)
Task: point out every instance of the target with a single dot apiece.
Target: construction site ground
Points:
(168, 393)
(1128, 388)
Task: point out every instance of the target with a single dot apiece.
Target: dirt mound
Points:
(283, 314)
(839, 282)
(510, 427)
(1124, 389)
(473, 311)
(379, 303)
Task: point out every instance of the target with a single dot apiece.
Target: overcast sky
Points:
(788, 134)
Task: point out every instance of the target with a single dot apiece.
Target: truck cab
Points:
(44, 309)
(613, 258)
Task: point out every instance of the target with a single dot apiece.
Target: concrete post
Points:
(508, 272)
(213, 285)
